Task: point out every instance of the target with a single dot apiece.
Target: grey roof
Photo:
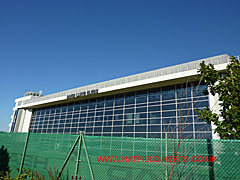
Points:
(221, 59)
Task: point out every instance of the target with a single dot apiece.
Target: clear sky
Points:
(58, 45)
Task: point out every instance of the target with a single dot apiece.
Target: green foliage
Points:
(227, 86)
(4, 160)
(32, 175)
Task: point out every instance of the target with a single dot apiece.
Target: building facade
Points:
(148, 105)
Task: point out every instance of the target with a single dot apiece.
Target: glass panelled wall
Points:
(148, 113)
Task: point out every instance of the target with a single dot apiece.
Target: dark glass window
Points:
(70, 108)
(142, 135)
(154, 135)
(169, 113)
(98, 129)
(169, 107)
(169, 128)
(129, 116)
(200, 104)
(107, 123)
(117, 123)
(117, 129)
(155, 128)
(154, 108)
(108, 112)
(185, 119)
(203, 135)
(168, 95)
(154, 98)
(99, 113)
(141, 99)
(186, 136)
(154, 114)
(128, 122)
(185, 112)
(127, 134)
(119, 102)
(185, 127)
(129, 101)
(109, 104)
(183, 93)
(203, 127)
(107, 129)
(184, 105)
(118, 112)
(128, 128)
(171, 120)
(154, 121)
(140, 128)
(98, 123)
(118, 117)
(129, 111)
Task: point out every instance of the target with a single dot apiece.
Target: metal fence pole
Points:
(210, 163)
(68, 156)
(166, 153)
(24, 152)
(78, 155)
(89, 163)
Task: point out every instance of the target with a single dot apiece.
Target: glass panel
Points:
(128, 122)
(117, 129)
(155, 128)
(154, 114)
(169, 128)
(200, 104)
(185, 119)
(203, 127)
(141, 99)
(169, 113)
(154, 98)
(169, 107)
(203, 135)
(169, 120)
(154, 121)
(129, 111)
(128, 128)
(154, 108)
(143, 135)
(185, 127)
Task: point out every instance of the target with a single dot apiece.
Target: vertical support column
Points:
(166, 154)
(214, 105)
(26, 120)
(210, 163)
(89, 163)
(24, 153)
(78, 155)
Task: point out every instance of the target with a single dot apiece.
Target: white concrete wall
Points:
(214, 106)
(18, 104)
(27, 120)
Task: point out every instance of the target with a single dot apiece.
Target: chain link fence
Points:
(125, 158)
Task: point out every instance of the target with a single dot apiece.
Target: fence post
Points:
(68, 156)
(24, 152)
(89, 163)
(78, 155)
(166, 153)
(210, 155)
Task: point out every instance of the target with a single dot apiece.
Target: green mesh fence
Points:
(135, 158)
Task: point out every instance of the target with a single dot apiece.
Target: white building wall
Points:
(214, 106)
(27, 120)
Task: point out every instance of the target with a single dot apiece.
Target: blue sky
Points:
(58, 45)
